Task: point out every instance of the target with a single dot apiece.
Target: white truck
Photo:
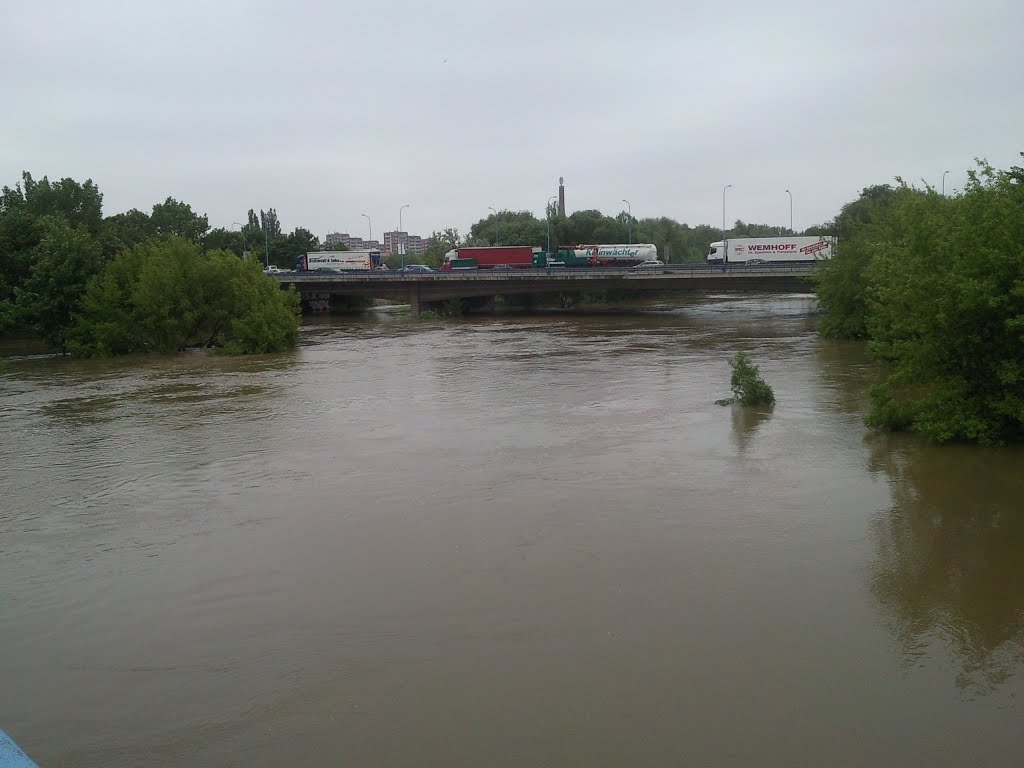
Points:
(763, 250)
(338, 260)
(616, 255)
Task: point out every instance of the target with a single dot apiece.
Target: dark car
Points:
(417, 268)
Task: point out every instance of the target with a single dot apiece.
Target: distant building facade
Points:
(414, 244)
(334, 239)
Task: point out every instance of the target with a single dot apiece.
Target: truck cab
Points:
(716, 255)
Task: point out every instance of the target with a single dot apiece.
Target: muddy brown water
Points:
(502, 541)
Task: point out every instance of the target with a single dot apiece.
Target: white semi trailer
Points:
(346, 260)
(771, 249)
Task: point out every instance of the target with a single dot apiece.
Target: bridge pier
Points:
(414, 301)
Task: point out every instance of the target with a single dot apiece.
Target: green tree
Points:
(842, 282)
(126, 230)
(80, 205)
(220, 239)
(440, 243)
(512, 228)
(63, 262)
(946, 310)
(172, 217)
(748, 388)
(269, 223)
(167, 295)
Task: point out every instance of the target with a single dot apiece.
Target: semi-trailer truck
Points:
(771, 249)
(489, 257)
(620, 255)
(332, 260)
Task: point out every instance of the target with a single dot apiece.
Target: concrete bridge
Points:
(426, 289)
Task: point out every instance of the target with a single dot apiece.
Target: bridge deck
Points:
(419, 288)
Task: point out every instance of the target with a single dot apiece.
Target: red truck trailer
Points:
(489, 257)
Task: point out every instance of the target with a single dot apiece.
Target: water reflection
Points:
(745, 422)
(949, 571)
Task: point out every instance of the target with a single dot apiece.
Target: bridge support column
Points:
(414, 301)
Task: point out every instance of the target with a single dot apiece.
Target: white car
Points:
(650, 264)
(273, 270)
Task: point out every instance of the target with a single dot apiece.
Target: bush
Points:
(748, 388)
(946, 311)
(167, 296)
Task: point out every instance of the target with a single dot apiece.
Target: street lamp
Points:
(401, 250)
(790, 212)
(547, 211)
(629, 213)
(497, 237)
(369, 224)
(944, 183)
(241, 228)
(727, 186)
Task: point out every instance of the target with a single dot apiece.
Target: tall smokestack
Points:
(561, 196)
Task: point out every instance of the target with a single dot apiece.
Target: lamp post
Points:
(497, 236)
(944, 183)
(369, 224)
(241, 228)
(629, 214)
(547, 211)
(790, 211)
(401, 250)
(727, 186)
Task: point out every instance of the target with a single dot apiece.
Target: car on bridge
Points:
(416, 268)
(650, 264)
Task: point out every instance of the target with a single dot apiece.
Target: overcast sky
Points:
(326, 111)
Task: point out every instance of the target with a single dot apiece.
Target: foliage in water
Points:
(748, 388)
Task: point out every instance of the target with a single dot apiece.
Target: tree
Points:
(440, 243)
(945, 297)
(126, 230)
(78, 204)
(748, 388)
(269, 223)
(167, 295)
(31, 212)
(842, 282)
(512, 227)
(65, 260)
(172, 217)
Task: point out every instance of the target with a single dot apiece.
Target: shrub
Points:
(748, 388)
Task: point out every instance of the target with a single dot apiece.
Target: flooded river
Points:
(528, 541)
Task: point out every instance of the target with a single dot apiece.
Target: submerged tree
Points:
(166, 296)
(748, 388)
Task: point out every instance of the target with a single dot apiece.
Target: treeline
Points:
(935, 284)
(159, 281)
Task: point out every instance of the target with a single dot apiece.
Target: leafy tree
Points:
(748, 388)
(946, 309)
(512, 227)
(78, 204)
(172, 217)
(440, 243)
(65, 260)
(842, 282)
(167, 295)
(221, 239)
(269, 223)
(126, 230)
